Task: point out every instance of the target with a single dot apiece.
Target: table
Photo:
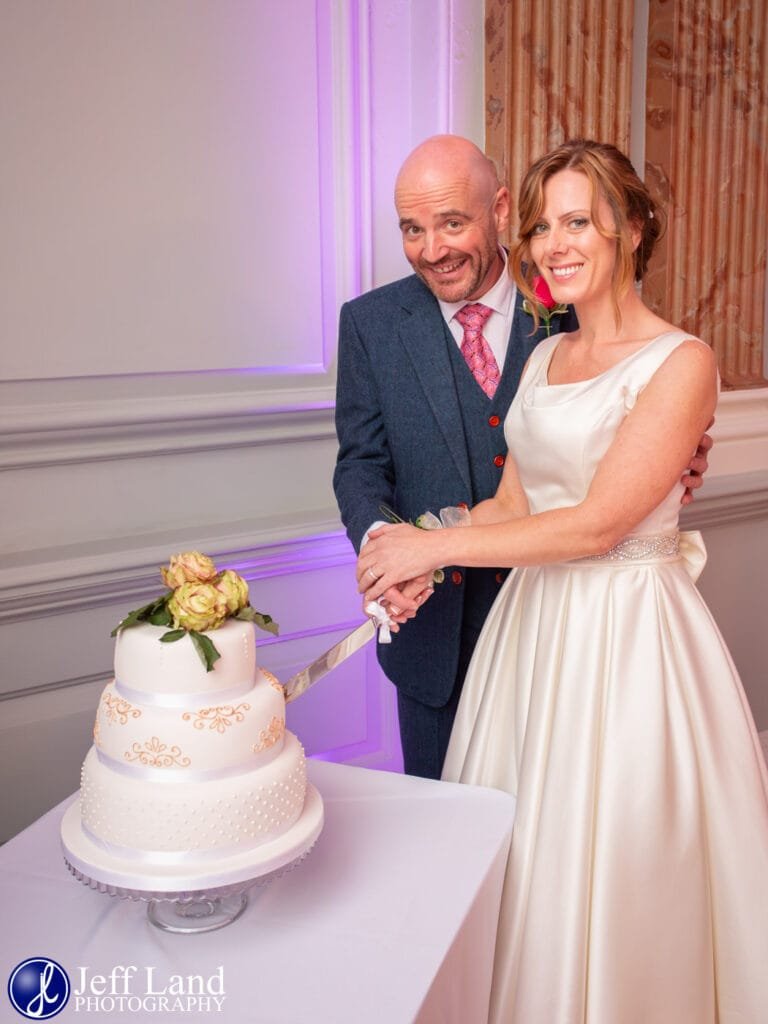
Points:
(390, 919)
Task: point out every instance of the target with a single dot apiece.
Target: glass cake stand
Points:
(190, 899)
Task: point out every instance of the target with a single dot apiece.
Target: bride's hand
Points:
(395, 554)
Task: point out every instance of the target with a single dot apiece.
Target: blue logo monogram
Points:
(38, 988)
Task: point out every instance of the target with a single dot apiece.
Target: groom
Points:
(417, 431)
(427, 368)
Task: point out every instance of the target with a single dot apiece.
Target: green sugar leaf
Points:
(172, 636)
(145, 614)
(267, 623)
(264, 622)
(161, 617)
(205, 648)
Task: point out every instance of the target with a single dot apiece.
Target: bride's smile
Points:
(574, 241)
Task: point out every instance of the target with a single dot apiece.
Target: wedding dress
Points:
(602, 696)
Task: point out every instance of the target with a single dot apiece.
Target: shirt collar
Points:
(498, 297)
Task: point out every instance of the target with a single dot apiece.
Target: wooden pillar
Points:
(555, 69)
(707, 157)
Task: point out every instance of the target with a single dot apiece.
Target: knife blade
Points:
(348, 645)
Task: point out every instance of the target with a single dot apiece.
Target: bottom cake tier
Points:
(185, 875)
(151, 814)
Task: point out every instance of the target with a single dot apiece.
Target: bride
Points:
(601, 693)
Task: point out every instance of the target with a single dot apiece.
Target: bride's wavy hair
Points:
(613, 177)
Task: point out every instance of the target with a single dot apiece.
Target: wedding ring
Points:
(374, 577)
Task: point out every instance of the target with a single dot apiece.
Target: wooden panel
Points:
(707, 157)
(553, 72)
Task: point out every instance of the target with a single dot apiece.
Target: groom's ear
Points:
(501, 209)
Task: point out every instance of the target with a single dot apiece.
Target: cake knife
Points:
(321, 666)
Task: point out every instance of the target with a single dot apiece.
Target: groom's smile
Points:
(451, 211)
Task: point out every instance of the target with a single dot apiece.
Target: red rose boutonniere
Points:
(545, 306)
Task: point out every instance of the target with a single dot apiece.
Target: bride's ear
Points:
(635, 233)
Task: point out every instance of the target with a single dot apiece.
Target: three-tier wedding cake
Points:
(193, 781)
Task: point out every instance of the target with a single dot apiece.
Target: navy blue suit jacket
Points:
(402, 444)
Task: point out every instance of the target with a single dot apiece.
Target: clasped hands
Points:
(395, 568)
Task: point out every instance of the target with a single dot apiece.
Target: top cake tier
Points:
(145, 665)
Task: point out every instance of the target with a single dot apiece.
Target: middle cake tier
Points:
(238, 735)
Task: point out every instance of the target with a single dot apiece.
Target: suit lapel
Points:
(422, 334)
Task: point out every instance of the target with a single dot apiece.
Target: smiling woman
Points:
(604, 196)
(588, 226)
(572, 248)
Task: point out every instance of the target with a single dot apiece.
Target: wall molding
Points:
(78, 579)
(50, 434)
(62, 435)
(59, 684)
(742, 414)
(724, 501)
(740, 433)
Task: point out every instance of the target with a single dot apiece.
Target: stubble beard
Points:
(460, 290)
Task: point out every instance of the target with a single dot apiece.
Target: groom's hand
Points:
(697, 467)
(417, 590)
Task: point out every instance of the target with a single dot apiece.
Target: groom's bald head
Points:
(452, 210)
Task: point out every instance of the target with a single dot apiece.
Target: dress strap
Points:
(538, 358)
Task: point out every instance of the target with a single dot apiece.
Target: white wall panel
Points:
(164, 187)
(89, 502)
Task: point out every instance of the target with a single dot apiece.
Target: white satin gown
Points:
(602, 695)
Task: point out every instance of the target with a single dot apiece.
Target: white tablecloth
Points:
(390, 919)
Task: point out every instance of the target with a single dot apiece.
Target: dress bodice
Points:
(558, 433)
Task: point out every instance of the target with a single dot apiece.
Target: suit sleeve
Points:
(364, 476)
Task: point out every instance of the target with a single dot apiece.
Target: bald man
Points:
(418, 428)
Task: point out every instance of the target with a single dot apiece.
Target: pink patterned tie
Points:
(476, 349)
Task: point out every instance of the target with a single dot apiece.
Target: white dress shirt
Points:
(501, 299)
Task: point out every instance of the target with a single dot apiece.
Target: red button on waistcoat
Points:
(456, 576)
(493, 421)
(499, 577)
(462, 504)
(498, 461)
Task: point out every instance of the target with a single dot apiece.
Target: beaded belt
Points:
(657, 547)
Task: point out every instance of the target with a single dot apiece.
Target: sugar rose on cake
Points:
(188, 567)
(199, 600)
